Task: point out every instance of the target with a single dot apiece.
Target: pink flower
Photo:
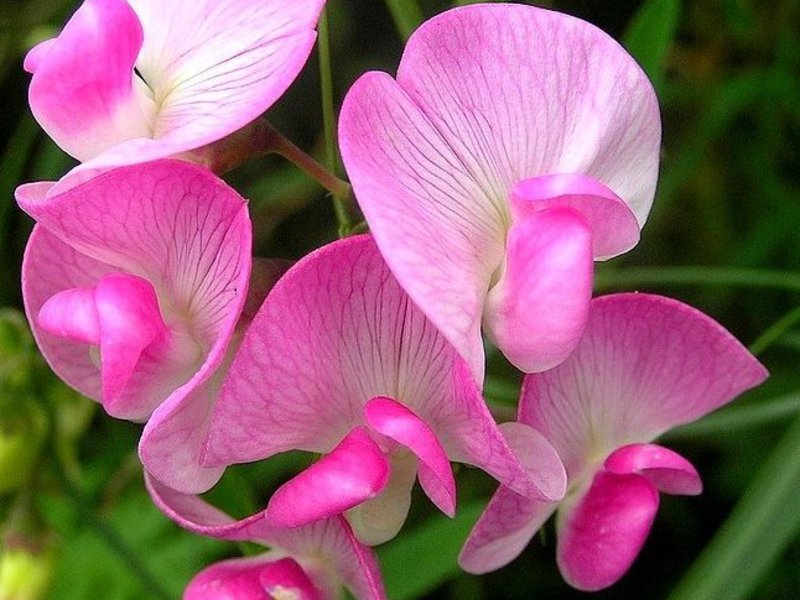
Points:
(646, 364)
(134, 81)
(515, 146)
(133, 285)
(340, 362)
(311, 562)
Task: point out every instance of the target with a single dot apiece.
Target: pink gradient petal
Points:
(330, 541)
(614, 226)
(644, 365)
(667, 470)
(36, 54)
(537, 311)
(336, 331)
(173, 439)
(502, 531)
(441, 235)
(390, 418)
(600, 537)
(254, 578)
(353, 472)
(82, 92)
(187, 235)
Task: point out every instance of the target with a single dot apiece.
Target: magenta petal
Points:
(354, 471)
(503, 530)
(599, 538)
(667, 470)
(537, 311)
(390, 418)
(130, 321)
(614, 226)
(72, 314)
(255, 578)
(82, 92)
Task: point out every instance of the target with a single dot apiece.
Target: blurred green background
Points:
(723, 236)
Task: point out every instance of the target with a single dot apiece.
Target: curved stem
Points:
(705, 276)
(340, 199)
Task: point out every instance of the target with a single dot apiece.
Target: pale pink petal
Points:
(644, 365)
(213, 66)
(537, 311)
(439, 231)
(82, 92)
(667, 470)
(502, 531)
(170, 223)
(254, 578)
(613, 225)
(519, 91)
(390, 418)
(599, 537)
(330, 541)
(353, 472)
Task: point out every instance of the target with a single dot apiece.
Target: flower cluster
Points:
(514, 147)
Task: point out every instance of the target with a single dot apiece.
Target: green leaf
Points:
(650, 34)
(763, 523)
(407, 16)
(435, 545)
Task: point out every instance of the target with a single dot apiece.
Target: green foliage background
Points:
(723, 236)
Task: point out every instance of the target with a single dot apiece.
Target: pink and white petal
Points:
(503, 530)
(335, 331)
(262, 576)
(215, 66)
(380, 519)
(601, 535)
(355, 471)
(614, 226)
(331, 540)
(390, 418)
(440, 230)
(82, 92)
(71, 314)
(667, 470)
(536, 312)
(644, 365)
(518, 91)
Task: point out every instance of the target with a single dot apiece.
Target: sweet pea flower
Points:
(339, 362)
(133, 81)
(515, 146)
(133, 284)
(646, 364)
(305, 563)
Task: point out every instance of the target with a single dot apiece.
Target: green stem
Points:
(704, 276)
(406, 14)
(764, 521)
(775, 331)
(340, 197)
